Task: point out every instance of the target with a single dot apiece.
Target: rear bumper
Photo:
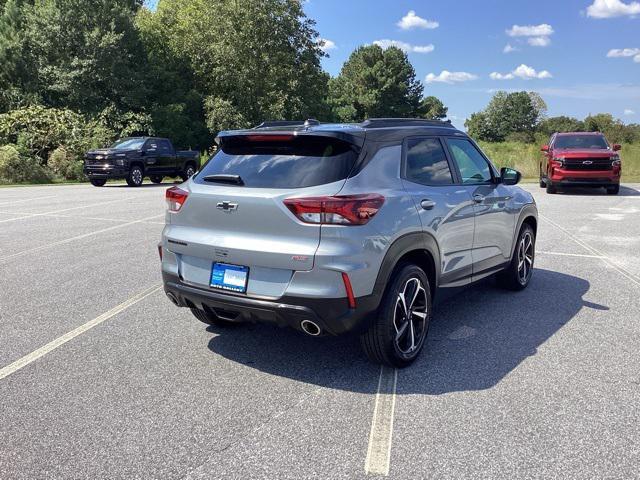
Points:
(332, 315)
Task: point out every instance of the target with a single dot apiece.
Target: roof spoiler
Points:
(287, 123)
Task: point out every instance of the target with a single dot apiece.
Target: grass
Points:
(526, 158)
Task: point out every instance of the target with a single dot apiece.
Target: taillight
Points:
(338, 210)
(175, 198)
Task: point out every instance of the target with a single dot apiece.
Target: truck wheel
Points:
(398, 332)
(210, 319)
(518, 274)
(98, 182)
(156, 179)
(543, 183)
(135, 177)
(189, 171)
(613, 190)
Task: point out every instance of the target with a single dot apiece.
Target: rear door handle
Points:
(427, 204)
(478, 198)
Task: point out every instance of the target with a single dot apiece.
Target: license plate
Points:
(229, 277)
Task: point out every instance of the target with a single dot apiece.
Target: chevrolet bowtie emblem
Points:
(227, 206)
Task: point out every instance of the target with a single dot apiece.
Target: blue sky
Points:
(582, 56)
(566, 42)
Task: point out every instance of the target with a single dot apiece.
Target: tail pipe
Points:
(310, 328)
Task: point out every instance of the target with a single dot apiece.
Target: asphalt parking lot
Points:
(102, 377)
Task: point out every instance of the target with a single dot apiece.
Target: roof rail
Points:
(287, 123)
(404, 122)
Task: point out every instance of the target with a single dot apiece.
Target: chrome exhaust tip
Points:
(173, 299)
(310, 328)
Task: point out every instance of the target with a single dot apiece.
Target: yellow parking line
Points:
(49, 347)
(380, 437)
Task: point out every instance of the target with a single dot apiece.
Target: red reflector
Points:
(347, 287)
(175, 198)
(160, 251)
(338, 210)
(270, 138)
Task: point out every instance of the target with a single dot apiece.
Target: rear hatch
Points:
(235, 211)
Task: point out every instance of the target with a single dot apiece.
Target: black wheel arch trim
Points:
(528, 211)
(411, 242)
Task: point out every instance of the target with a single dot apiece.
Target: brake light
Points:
(175, 198)
(337, 210)
(270, 138)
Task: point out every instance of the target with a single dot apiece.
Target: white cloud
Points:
(326, 45)
(542, 30)
(509, 48)
(524, 72)
(628, 111)
(612, 8)
(405, 47)
(625, 52)
(450, 77)
(539, 41)
(411, 21)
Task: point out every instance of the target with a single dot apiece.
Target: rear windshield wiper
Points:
(224, 178)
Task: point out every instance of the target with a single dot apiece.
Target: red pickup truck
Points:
(580, 159)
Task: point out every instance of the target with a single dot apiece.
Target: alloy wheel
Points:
(525, 258)
(136, 176)
(410, 317)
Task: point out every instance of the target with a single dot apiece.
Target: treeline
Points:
(521, 117)
(77, 74)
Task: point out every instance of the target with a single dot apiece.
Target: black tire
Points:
(518, 274)
(98, 182)
(543, 183)
(135, 177)
(210, 319)
(189, 171)
(550, 188)
(393, 342)
(613, 190)
(156, 178)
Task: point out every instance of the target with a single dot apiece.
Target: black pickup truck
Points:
(134, 158)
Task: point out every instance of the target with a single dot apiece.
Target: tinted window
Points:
(472, 165)
(294, 162)
(580, 142)
(164, 145)
(128, 144)
(427, 162)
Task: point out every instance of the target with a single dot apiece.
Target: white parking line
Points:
(623, 271)
(31, 215)
(78, 237)
(562, 254)
(49, 347)
(99, 219)
(380, 437)
(13, 202)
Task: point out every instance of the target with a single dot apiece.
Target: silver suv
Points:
(335, 228)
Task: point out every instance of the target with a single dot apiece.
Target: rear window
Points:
(581, 142)
(288, 162)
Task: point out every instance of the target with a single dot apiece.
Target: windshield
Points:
(128, 144)
(581, 142)
(290, 163)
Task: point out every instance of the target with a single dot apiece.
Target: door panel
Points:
(152, 165)
(446, 210)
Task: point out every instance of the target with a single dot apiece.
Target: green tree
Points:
(432, 108)
(73, 54)
(375, 83)
(251, 59)
(552, 125)
(508, 114)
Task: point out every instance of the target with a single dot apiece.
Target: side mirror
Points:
(545, 148)
(509, 176)
(617, 147)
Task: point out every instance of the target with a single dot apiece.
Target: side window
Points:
(427, 163)
(164, 146)
(473, 167)
(151, 145)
